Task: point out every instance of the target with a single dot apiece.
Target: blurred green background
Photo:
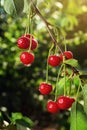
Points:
(19, 84)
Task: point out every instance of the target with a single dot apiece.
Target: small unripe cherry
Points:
(27, 58)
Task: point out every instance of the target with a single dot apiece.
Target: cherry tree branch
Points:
(47, 25)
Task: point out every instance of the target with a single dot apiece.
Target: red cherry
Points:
(34, 43)
(64, 102)
(27, 58)
(54, 60)
(23, 43)
(45, 88)
(68, 54)
(52, 107)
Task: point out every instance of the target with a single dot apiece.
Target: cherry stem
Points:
(47, 25)
(78, 92)
(47, 63)
(64, 75)
(57, 79)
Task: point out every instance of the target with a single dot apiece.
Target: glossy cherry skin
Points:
(54, 60)
(45, 88)
(52, 107)
(23, 43)
(61, 57)
(64, 102)
(27, 58)
(68, 54)
(34, 43)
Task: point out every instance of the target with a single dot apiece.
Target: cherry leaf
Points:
(84, 90)
(72, 62)
(78, 117)
(14, 7)
(25, 122)
(61, 84)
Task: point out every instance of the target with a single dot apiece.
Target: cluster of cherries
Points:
(29, 43)
(62, 102)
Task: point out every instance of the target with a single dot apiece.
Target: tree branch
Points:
(47, 25)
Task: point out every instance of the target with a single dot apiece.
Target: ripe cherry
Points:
(34, 43)
(68, 54)
(52, 107)
(54, 60)
(45, 88)
(27, 58)
(64, 102)
(23, 43)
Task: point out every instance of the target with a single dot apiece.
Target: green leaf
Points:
(76, 80)
(61, 84)
(14, 7)
(84, 90)
(16, 116)
(73, 117)
(78, 117)
(25, 121)
(72, 62)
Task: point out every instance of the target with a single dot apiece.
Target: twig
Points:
(47, 25)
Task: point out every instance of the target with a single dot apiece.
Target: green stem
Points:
(80, 86)
(64, 79)
(78, 92)
(47, 63)
(56, 87)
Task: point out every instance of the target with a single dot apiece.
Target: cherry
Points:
(54, 60)
(31, 39)
(23, 43)
(52, 107)
(27, 58)
(68, 54)
(64, 102)
(45, 88)
(34, 44)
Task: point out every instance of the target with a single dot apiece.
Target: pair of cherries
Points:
(55, 60)
(27, 42)
(62, 103)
